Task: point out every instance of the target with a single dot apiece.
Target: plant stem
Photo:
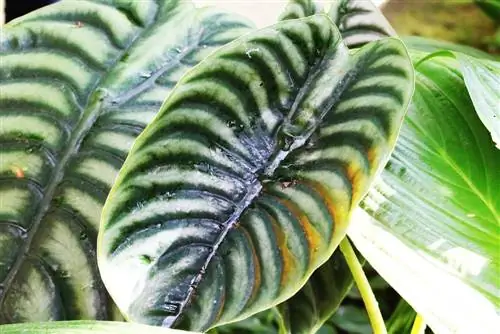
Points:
(363, 285)
(419, 325)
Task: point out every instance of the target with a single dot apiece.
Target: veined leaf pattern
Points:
(360, 22)
(79, 81)
(321, 296)
(243, 184)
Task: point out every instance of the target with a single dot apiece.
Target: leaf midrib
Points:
(272, 164)
(96, 100)
(444, 155)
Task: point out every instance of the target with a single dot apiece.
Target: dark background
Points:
(16, 8)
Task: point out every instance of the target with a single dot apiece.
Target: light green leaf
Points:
(227, 202)
(431, 225)
(360, 22)
(482, 78)
(319, 298)
(79, 81)
(85, 327)
(428, 45)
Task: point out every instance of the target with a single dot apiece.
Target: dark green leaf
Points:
(401, 321)
(319, 298)
(490, 7)
(79, 80)
(227, 203)
(297, 9)
(359, 21)
(352, 319)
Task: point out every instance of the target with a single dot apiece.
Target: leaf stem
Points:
(363, 285)
(419, 325)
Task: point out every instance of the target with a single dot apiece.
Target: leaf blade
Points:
(360, 22)
(77, 88)
(85, 327)
(212, 157)
(435, 197)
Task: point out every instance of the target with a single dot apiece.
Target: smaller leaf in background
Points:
(353, 320)
(327, 329)
(265, 322)
(297, 9)
(318, 300)
(491, 8)
(482, 78)
(359, 22)
(429, 45)
(85, 327)
(401, 321)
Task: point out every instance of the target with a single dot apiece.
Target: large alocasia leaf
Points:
(321, 296)
(244, 182)
(434, 228)
(79, 81)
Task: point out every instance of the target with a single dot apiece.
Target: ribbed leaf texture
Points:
(243, 184)
(360, 22)
(321, 296)
(297, 9)
(79, 80)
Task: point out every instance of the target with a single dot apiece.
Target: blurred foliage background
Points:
(457, 21)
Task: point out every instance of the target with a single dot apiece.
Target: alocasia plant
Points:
(79, 81)
(244, 182)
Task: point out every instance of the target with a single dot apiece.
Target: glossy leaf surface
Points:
(321, 296)
(85, 327)
(431, 224)
(79, 81)
(244, 182)
(482, 78)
